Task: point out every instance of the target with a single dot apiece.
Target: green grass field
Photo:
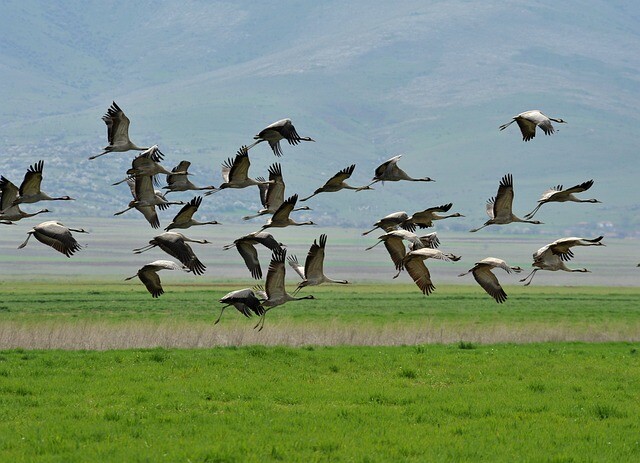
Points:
(99, 316)
(364, 373)
(534, 402)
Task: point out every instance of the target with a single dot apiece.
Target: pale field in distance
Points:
(108, 254)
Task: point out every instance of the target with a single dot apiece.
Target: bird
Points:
(117, 132)
(393, 241)
(281, 217)
(184, 218)
(149, 212)
(145, 195)
(554, 255)
(529, 120)
(279, 130)
(178, 179)
(30, 192)
(272, 193)
(499, 208)
(235, 172)
(413, 262)
(392, 222)
(429, 240)
(145, 198)
(176, 245)
(55, 234)
(557, 194)
(274, 285)
(487, 280)
(246, 247)
(424, 219)
(337, 183)
(147, 163)
(245, 300)
(312, 273)
(148, 275)
(389, 171)
(8, 212)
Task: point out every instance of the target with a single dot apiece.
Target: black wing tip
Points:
(195, 201)
(323, 240)
(500, 296)
(279, 255)
(275, 169)
(507, 180)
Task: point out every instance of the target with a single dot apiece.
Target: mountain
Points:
(367, 80)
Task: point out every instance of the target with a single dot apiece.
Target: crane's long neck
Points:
(329, 280)
(190, 240)
(27, 214)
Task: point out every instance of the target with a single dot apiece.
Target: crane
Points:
(148, 275)
(246, 247)
(389, 171)
(413, 262)
(184, 218)
(279, 130)
(245, 300)
(274, 285)
(117, 132)
(272, 193)
(529, 120)
(554, 255)
(486, 278)
(178, 179)
(556, 194)
(235, 172)
(8, 212)
(30, 191)
(337, 183)
(281, 217)
(176, 245)
(499, 208)
(57, 235)
(392, 222)
(312, 273)
(424, 219)
(147, 163)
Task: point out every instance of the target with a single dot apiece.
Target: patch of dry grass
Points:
(96, 335)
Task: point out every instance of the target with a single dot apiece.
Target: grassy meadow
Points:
(100, 371)
(559, 402)
(123, 315)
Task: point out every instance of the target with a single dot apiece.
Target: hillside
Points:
(367, 80)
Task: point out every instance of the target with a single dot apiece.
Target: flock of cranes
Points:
(398, 227)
